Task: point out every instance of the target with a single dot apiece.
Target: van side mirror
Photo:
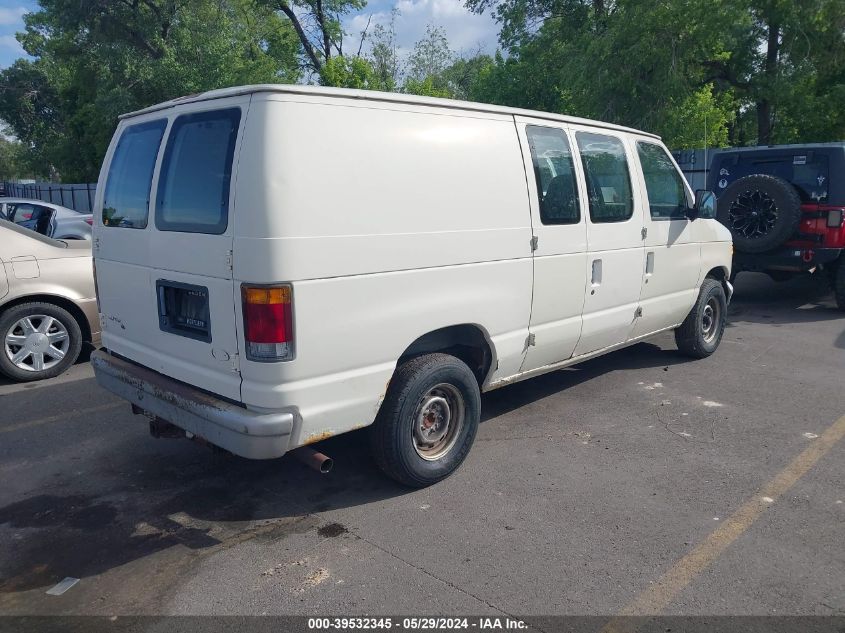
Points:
(704, 206)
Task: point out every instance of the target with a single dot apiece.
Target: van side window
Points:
(667, 196)
(127, 195)
(553, 169)
(608, 179)
(193, 189)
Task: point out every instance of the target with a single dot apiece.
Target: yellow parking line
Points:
(62, 416)
(654, 600)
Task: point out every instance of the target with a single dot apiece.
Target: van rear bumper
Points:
(238, 430)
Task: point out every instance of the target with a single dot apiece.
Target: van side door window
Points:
(557, 187)
(667, 196)
(127, 196)
(607, 176)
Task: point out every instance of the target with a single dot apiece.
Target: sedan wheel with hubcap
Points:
(39, 340)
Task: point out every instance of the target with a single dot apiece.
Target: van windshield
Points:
(127, 195)
(193, 190)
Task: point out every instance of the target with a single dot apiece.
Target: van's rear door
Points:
(163, 248)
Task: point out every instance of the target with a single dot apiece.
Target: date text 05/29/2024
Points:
(415, 623)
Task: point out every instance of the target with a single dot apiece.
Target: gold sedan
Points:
(48, 306)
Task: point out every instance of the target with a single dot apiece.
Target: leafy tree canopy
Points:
(718, 72)
(759, 71)
(96, 59)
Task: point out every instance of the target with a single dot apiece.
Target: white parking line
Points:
(660, 594)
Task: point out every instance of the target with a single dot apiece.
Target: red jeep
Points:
(784, 206)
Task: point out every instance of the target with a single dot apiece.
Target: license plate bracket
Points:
(183, 310)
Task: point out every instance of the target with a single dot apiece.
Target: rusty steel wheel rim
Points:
(710, 319)
(438, 421)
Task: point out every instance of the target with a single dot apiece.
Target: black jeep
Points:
(784, 206)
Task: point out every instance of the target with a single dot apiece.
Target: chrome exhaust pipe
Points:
(313, 459)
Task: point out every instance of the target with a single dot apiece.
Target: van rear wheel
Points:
(428, 420)
(701, 332)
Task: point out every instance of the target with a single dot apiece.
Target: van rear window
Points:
(127, 197)
(193, 188)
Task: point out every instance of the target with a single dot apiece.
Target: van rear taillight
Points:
(268, 322)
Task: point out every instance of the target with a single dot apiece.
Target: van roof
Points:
(373, 95)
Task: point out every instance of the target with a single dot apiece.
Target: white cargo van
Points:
(280, 264)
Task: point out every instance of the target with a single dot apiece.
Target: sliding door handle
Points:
(596, 278)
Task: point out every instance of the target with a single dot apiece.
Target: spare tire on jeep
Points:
(761, 211)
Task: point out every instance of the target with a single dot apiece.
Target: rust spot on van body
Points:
(317, 437)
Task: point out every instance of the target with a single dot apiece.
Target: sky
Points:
(467, 33)
(11, 21)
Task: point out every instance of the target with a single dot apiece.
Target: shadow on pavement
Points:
(639, 356)
(153, 495)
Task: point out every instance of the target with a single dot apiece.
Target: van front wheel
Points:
(701, 332)
(428, 420)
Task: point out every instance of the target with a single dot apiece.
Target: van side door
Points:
(615, 255)
(672, 255)
(560, 240)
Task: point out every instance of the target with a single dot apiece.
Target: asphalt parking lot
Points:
(640, 482)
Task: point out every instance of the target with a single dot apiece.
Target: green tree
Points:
(435, 71)
(430, 86)
(95, 60)
(703, 119)
(12, 162)
(318, 26)
(427, 62)
(764, 70)
(350, 72)
(464, 76)
(384, 55)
